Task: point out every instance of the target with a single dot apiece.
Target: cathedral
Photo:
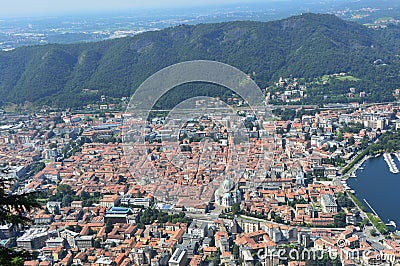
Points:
(227, 194)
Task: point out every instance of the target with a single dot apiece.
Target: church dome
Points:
(227, 185)
(227, 196)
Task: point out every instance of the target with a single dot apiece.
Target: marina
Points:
(390, 162)
(378, 186)
(397, 154)
(358, 166)
(346, 186)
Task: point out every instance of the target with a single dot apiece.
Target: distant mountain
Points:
(308, 46)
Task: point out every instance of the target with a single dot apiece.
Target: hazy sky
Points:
(14, 8)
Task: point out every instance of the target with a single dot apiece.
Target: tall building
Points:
(179, 258)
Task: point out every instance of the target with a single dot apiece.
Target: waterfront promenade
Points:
(353, 170)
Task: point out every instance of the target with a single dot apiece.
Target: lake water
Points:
(379, 187)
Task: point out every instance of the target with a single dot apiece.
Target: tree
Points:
(64, 189)
(85, 195)
(217, 257)
(373, 232)
(340, 219)
(14, 206)
(344, 201)
(52, 145)
(78, 228)
(196, 248)
(364, 222)
(235, 251)
(339, 136)
(109, 226)
(97, 243)
(66, 200)
(12, 210)
(58, 120)
(9, 257)
(71, 228)
(278, 219)
(365, 141)
(235, 208)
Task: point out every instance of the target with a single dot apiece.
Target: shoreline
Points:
(363, 202)
(351, 173)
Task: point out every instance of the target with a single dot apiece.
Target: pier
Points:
(397, 154)
(390, 223)
(390, 162)
(369, 206)
(358, 166)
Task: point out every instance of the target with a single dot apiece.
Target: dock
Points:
(358, 166)
(369, 206)
(390, 223)
(397, 154)
(390, 162)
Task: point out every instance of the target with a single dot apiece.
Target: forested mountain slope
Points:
(307, 46)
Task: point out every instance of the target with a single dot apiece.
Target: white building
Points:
(328, 203)
(179, 258)
(227, 194)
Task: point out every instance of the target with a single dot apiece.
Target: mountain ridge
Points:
(308, 45)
